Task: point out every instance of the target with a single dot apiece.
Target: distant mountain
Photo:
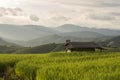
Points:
(33, 35)
(71, 28)
(61, 39)
(29, 32)
(76, 28)
(83, 34)
(47, 40)
(24, 32)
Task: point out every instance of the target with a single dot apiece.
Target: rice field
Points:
(60, 66)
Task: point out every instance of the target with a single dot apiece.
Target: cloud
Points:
(11, 11)
(1, 15)
(108, 4)
(98, 13)
(60, 18)
(88, 3)
(102, 17)
(115, 13)
(16, 16)
(34, 18)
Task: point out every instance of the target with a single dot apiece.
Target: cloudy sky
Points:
(52, 13)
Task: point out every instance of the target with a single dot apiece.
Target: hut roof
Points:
(84, 45)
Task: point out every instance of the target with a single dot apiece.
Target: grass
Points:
(63, 66)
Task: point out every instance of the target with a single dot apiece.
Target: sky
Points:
(53, 13)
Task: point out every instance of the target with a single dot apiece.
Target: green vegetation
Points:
(61, 66)
(51, 47)
(110, 45)
(8, 49)
(113, 42)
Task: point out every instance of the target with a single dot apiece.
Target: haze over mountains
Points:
(25, 32)
(76, 28)
(33, 35)
(3, 42)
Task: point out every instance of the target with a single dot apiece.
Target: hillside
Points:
(3, 42)
(61, 38)
(52, 47)
(8, 47)
(48, 39)
(113, 42)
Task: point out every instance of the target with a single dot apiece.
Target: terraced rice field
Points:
(60, 66)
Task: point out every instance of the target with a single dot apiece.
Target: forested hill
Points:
(52, 47)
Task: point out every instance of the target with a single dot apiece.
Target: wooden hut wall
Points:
(83, 49)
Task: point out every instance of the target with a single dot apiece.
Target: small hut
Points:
(81, 46)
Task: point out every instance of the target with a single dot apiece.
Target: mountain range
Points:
(24, 32)
(34, 35)
(76, 28)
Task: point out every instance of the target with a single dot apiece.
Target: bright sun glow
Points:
(10, 3)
